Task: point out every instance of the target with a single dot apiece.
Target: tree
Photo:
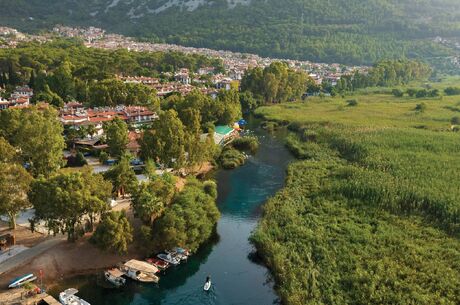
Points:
(64, 199)
(61, 81)
(248, 102)
(37, 132)
(166, 141)
(49, 96)
(146, 205)
(7, 152)
(229, 102)
(114, 232)
(189, 221)
(122, 176)
(152, 197)
(117, 137)
(14, 185)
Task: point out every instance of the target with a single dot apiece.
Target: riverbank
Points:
(369, 214)
(69, 259)
(236, 277)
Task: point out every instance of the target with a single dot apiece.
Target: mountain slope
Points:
(348, 31)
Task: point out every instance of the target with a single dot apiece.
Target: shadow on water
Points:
(238, 275)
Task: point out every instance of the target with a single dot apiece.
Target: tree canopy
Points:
(65, 198)
(114, 232)
(37, 133)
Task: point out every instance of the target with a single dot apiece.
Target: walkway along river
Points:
(236, 277)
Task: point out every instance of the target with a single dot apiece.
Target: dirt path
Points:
(67, 259)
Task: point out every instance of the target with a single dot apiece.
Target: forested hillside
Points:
(352, 31)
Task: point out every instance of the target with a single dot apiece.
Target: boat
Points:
(180, 253)
(140, 271)
(160, 264)
(115, 277)
(68, 297)
(207, 284)
(18, 282)
(169, 259)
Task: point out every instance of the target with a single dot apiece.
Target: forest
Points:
(371, 207)
(65, 70)
(349, 32)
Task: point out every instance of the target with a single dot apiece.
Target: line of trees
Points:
(274, 84)
(386, 73)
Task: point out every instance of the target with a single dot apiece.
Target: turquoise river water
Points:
(238, 279)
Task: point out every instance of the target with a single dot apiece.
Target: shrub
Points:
(421, 93)
(455, 120)
(103, 157)
(411, 92)
(452, 91)
(420, 107)
(210, 188)
(246, 143)
(397, 92)
(352, 103)
(231, 158)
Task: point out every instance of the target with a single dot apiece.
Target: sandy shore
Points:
(67, 260)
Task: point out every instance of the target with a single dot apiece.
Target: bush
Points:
(455, 120)
(210, 188)
(420, 107)
(421, 93)
(231, 158)
(452, 91)
(103, 157)
(397, 92)
(411, 92)
(352, 103)
(76, 161)
(246, 143)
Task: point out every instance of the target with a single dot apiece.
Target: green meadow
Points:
(371, 210)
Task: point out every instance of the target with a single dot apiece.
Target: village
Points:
(235, 64)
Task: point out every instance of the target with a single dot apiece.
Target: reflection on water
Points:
(236, 277)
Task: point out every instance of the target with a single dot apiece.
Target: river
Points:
(236, 275)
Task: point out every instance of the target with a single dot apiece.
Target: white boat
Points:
(18, 282)
(180, 253)
(169, 259)
(115, 277)
(140, 271)
(68, 297)
(207, 284)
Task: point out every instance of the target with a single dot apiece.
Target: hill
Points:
(352, 31)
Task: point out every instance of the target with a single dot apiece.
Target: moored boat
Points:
(160, 264)
(68, 297)
(18, 282)
(115, 277)
(169, 259)
(140, 271)
(180, 253)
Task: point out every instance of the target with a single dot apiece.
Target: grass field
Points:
(371, 213)
(373, 111)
